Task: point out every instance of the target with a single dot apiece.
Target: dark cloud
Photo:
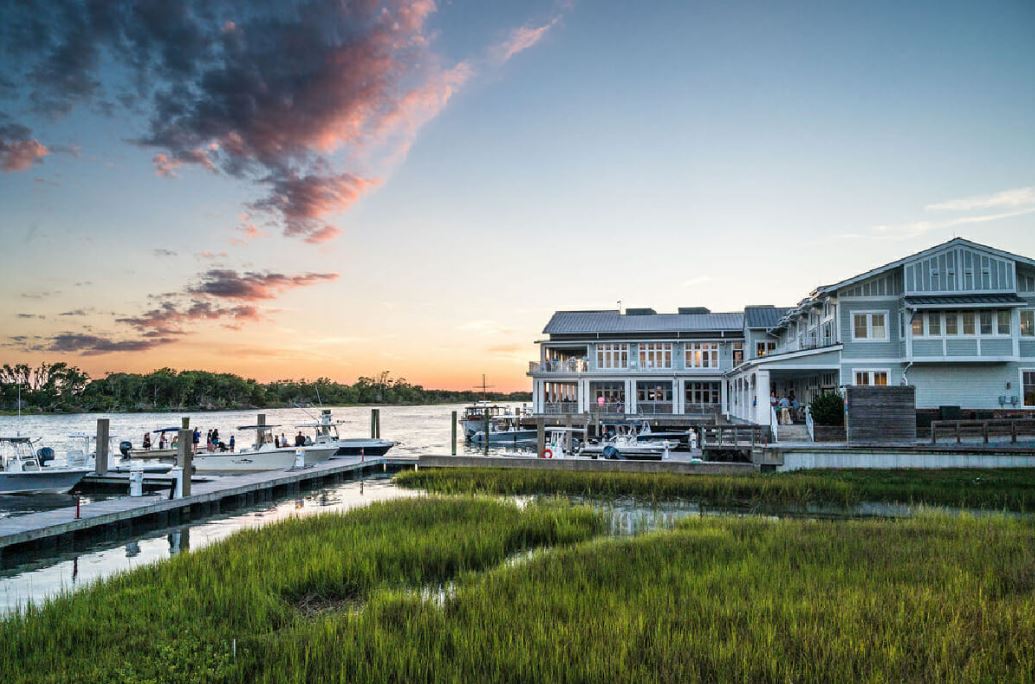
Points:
(31, 316)
(169, 317)
(39, 294)
(253, 286)
(263, 92)
(75, 312)
(163, 252)
(90, 345)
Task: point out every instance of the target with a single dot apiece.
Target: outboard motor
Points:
(125, 447)
(45, 454)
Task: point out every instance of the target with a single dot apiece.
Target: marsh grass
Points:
(716, 599)
(178, 620)
(1007, 489)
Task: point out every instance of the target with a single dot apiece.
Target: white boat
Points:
(326, 434)
(627, 445)
(84, 455)
(23, 470)
(262, 455)
(473, 418)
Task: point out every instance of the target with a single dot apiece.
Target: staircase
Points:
(793, 433)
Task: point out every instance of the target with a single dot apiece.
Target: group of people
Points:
(212, 441)
(787, 406)
(300, 440)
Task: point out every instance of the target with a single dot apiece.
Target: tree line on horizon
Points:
(63, 387)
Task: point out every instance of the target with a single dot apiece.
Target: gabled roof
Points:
(591, 322)
(764, 316)
(960, 242)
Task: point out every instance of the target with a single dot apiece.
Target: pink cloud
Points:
(521, 39)
(325, 234)
(19, 151)
(304, 201)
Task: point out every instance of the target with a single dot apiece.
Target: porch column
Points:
(679, 396)
(539, 398)
(724, 397)
(630, 397)
(761, 412)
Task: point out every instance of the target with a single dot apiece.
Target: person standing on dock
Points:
(146, 443)
(233, 444)
(196, 439)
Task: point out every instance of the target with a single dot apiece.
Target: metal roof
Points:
(972, 300)
(764, 316)
(576, 322)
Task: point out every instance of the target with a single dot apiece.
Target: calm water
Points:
(417, 429)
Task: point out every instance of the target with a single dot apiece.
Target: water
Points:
(38, 576)
(417, 429)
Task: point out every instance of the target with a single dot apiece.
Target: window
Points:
(702, 355)
(738, 353)
(656, 355)
(918, 325)
(968, 323)
(986, 322)
(952, 323)
(934, 324)
(612, 356)
(764, 348)
(870, 325)
(702, 393)
(1028, 323)
(1029, 388)
(1003, 322)
(647, 392)
(871, 377)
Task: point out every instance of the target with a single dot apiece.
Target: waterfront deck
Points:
(206, 495)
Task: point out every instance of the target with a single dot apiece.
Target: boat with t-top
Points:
(25, 469)
(263, 454)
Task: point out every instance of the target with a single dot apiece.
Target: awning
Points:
(965, 301)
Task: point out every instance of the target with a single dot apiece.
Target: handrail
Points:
(774, 424)
(810, 425)
(1011, 427)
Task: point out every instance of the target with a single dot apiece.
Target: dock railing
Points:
(735, 435)
(653, 408)
(985, 429)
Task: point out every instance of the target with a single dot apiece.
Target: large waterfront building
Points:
(957, 321)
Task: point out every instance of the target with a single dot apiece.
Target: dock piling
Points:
(540, 437)
(485, 432)
(185, 455)
(453, 431)
(101, 455)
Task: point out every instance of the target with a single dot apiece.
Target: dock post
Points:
(373, 430)
(377, 423)
(540, 436)
(567, 434)
(485, 433)
(101, 455)
(453, 437)
(185, 453)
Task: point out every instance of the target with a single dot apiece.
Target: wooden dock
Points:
(206, 496)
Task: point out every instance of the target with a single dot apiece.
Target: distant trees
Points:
(61, 387)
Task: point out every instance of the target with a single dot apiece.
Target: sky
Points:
(322, 188)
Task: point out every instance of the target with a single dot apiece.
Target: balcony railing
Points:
(804, 343)
(607, 407)
(653, 407)
(570, 365)
(560, 407)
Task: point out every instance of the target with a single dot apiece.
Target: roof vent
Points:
(694, 310)
(640, 312)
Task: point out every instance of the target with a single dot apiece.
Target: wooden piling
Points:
(377, 423)
(101, 455)
(540, 436)
(567, 433)
(453, 433)
(185, 453)
(485, 432)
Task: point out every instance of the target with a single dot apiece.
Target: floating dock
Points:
(207, 496)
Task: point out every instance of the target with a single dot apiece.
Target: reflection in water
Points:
(38, 577)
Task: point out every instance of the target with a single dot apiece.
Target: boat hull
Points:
(368, 447)
(41, 481)
(257, 461)
(508, 437)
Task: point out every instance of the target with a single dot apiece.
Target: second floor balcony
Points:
(567, 365)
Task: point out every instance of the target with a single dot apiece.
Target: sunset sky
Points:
(331, 188)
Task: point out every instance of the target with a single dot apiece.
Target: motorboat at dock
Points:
(505, 430)
(264, 454)
(475, 415)
(122, 461)
(327, 434)
(24, 469)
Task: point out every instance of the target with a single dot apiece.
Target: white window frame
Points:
(870, 373)
(1020, 327)
(615, 353)
(945, 316)
(655, 353)
(705, 352)
(1020, 385)
(699, 389)
(870, 313)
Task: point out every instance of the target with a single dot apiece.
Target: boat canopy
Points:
(317, 424)
(169, 429)
(256, 427)
(16, 440)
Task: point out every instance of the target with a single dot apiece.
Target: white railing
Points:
(774, 424)
(810, 425)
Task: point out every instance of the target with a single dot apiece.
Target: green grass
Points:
(337, 598)
(176, 620)
(1007, 489)
(727, 599)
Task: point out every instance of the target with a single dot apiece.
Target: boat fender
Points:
(610, 452)
(547, 453)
